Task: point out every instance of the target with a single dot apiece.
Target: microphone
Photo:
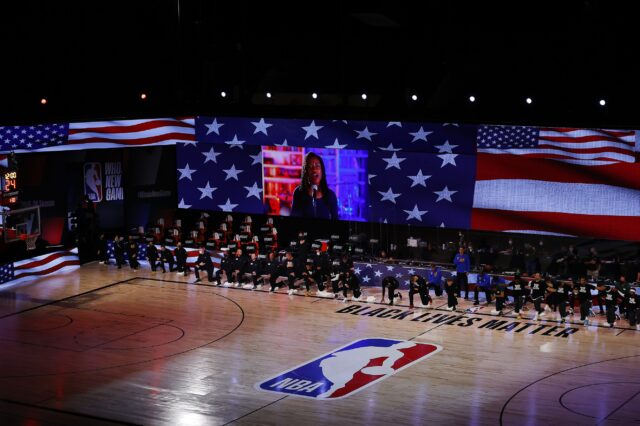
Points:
(314, 188)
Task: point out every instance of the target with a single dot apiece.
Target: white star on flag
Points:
(393, 161)
(445, 194)
(182, 205)
(378, 274)
(186, 172)
(389, 268)
(365, 133)
(227, 207)
(207, 191)
(254, 191)
(394, 123)
(284, 143)
(390, 147)
(389, 195)
(368, 265)
(261, 126)
(357, 270)
(257, 159)
(232, 173)
(411, 271)
(366, 279)
(235, 142)
(448, 159)
(420, 135)
(214, 127)
(336, 145)
(398, 275)
(211, 155)
(442, 225)
(185, 143)
(415, 213)
(312, 130)
(446, 147)
(370, 177)
(419, 179)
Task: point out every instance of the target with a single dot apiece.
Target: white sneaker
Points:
(547, 308)
(259, 287)
(290, 292)
(542, 314)
(236, 284)
(355, 299)
(535, 317)
(451, 308)
(494, 312)
(180, 273)
(430, 305)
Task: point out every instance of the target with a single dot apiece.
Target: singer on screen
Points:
(313, 198)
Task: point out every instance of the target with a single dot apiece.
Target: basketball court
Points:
(117, 347)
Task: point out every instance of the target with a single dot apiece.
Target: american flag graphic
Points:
(58, 261)
(557, 181)
(96, 135)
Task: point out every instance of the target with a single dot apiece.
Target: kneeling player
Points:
(391, 284)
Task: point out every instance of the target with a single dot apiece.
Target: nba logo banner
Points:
(93, 181)
(349, 369)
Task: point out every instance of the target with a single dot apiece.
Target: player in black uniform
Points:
(133, 255)
(391, 284)
(583, 291)
(500, 292)
(290, 270)
(103, 250)
(538, 293)
(181, 260)
(269, 271)
(451, 289)
(610, 296)
(560, 293)
(203, 263)
(238, 267)
(118, 250)
(322, 268)
(352, 282)
(251, 270)
(518, 291)
(166, 256)
(632, 303)
(417, 284)
(152, 255)
(225, 267)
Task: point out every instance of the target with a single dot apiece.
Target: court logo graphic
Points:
(349, 369)
(93, 181)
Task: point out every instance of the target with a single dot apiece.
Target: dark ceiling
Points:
(93, 59)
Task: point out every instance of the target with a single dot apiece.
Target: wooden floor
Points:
(102, 346)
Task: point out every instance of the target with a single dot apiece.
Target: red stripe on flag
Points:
(136, 141)
(589, 138)
(602, 149)
(49, 270)
(140, 127)
(44, 261)
(507, 166)
(610, 227)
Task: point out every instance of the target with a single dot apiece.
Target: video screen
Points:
(319, 182)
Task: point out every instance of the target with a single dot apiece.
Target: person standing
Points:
(632, 302)
(611, 302)
(118, 250)
(518, 291)
(103, 250)
(561, 292)
(463, 266)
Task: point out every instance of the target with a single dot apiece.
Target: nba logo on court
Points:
(93, 181)
(349, 369)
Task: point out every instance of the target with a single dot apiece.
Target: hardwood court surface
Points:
(102, 346)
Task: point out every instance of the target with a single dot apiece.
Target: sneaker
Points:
(430, 305)
(562, 321)
(570, 311)
(290, 292)
(611, 325)
(585, 323)
(451, 308)
(476, 303)
(399, 296)
(259, 287)
(197, 280)
(494, 312)
(518, 316)
(236, 284)
(547, 308)
(180, 273)
(638, 327)
(535, 317)
(543, 313)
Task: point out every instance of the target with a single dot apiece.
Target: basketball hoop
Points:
(31, 242)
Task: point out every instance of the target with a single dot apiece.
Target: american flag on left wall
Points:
(97, 135)
(58, 261)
